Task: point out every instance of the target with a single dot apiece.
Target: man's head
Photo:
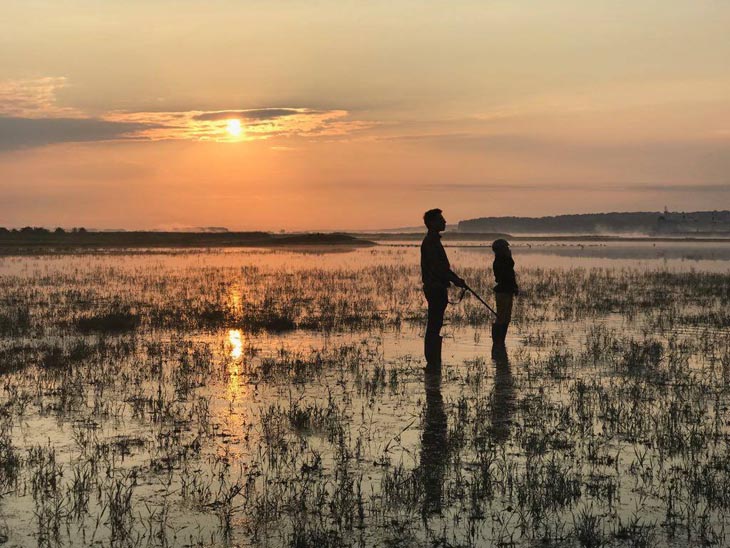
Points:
(434, 220)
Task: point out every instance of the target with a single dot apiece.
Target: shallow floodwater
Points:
(681, 255)
(277, 398)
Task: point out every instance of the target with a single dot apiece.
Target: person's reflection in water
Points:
(433, 446)
(504, 394)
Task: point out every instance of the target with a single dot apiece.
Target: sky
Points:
(346, 115)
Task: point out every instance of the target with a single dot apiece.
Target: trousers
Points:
(504, 307)
(437, 299)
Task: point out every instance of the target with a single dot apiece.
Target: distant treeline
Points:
(59, 230)
(39, 230)
(645, 222)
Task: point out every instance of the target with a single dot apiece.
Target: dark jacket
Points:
(504, 274)
(435, 268)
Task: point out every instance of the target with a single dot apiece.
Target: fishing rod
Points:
(469, 289)
(463, 292)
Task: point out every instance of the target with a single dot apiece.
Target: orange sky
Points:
(358, 115)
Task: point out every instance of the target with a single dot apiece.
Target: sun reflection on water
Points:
(235, 397)
(235, 338)
(235, 341)
(235, 300)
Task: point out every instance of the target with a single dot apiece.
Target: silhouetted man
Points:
(437, 276)
(505, 290)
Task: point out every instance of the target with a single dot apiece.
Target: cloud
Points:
(567, 187)
(253, 114)
(497, 187)
(25, 132)
(465, 141)
(715, 148)
(257, 124)
(31, 117)
(17, 133)
(31, 98)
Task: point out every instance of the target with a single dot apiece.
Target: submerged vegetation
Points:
(278, 399)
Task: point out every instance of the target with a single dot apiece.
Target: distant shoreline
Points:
(654, 223)
(489, 237)
(19, 243)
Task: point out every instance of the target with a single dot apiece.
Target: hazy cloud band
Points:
(18, 133)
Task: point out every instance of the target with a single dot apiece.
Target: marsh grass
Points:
(114, 321)
(274, 405)
(14, 320)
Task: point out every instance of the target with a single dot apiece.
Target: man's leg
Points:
(437, 301)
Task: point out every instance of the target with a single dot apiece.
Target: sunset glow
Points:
(510, 108)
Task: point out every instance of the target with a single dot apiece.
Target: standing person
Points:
(505, 290)
(437, 276)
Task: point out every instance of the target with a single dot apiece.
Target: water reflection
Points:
(503, 397)
(433, 446)
(235, 301)
(680, 255)
(229, 401)
(235, 340)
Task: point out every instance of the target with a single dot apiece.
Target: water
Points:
(277, 397)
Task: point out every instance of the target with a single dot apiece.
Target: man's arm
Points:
(456, 280)
(438, 264)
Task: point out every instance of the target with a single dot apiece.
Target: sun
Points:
(233, 127)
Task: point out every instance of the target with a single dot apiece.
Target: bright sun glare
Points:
(234, 127)
(235, 338)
